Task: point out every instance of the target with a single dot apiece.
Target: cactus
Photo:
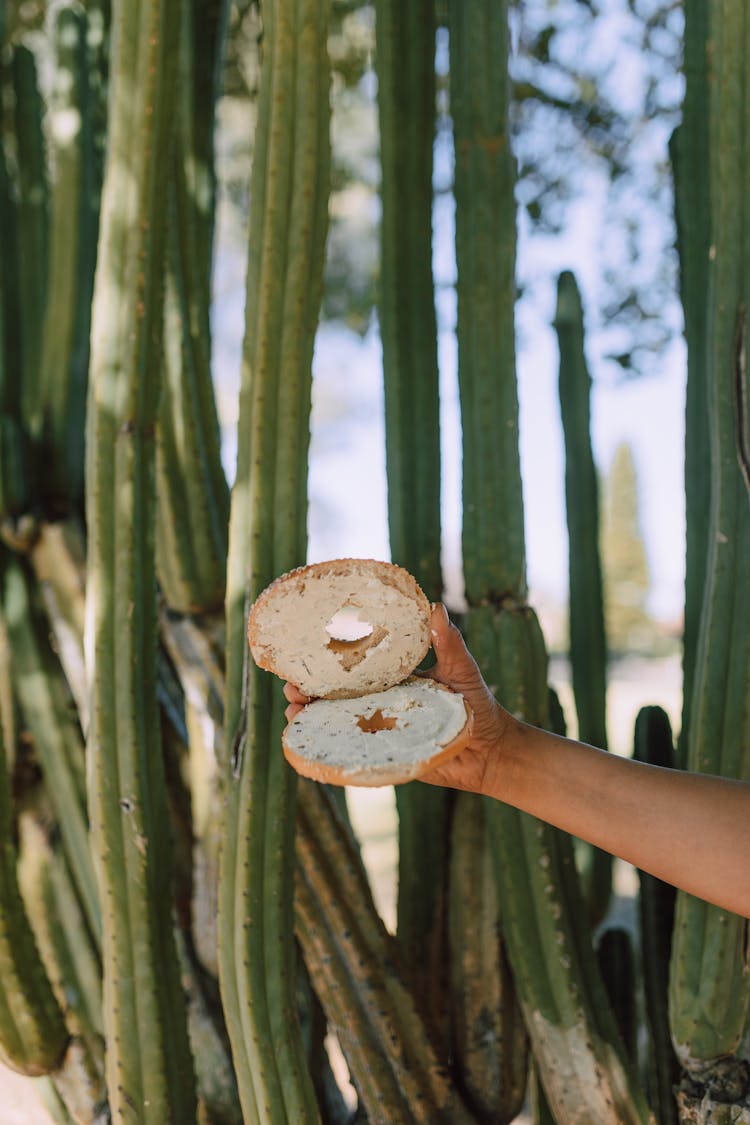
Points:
(193, 496)
(616, 960)
(489, 1037)
(689, 151)
(33, 228)
(394, 1063)
(709, 987)
(42, 696)
(405, 46)
(571, 1027)
(74, 215)
(33, 1033)
(149, 1069)
(588, 643)
(653, 744)
(288, 212)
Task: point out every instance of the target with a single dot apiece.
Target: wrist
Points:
(502, 758)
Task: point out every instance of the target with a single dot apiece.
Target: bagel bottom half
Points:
(382, 738)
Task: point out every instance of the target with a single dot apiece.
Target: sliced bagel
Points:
(382, 738)
(300, 627)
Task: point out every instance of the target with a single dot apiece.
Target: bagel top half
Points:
(295, 627)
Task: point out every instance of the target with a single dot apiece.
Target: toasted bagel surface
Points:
(290, 629)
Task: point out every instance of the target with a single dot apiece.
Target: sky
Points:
(347, 489)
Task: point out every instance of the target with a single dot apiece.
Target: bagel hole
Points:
(377, 721)
(352, 638)
(346, 627)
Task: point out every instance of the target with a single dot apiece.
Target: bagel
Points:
(349, 633)
(292, 627)
(382, 738)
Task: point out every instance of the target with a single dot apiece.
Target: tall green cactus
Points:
(405, 49)
(588, 641)
(710, 989)
(149, 1069)
(74, 217)
(571, 1027)
(33, 1034)
(33, 227)
(193, 496)
(288, 213)
(656, 901)
(689, 150)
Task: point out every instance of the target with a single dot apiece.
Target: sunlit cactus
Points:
(709, 988)
(143, 976)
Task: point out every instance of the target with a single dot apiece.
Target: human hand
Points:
(458, 670)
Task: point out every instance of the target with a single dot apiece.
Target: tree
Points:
(626, 576)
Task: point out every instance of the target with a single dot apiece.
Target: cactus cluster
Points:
(182, 925)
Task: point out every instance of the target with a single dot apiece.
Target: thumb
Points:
(455, 666)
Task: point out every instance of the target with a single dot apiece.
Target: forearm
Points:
(688, 829)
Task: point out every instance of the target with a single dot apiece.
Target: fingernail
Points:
(444, 614)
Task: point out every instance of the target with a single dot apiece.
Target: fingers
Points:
(294, 695)
(296, 701)
(455, 664)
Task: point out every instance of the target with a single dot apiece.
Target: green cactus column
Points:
(572, 1030)
(710, 987)
(288, 220)
(71, 124)
(191, 542)
(588, 641)
(405, 64)
(149, 1069)
(33, 1035)
(689, 151)
(33, 227)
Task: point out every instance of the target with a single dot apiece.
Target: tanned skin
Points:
(691, 830)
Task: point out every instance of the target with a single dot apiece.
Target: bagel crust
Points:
(288, 636)
(382, 738)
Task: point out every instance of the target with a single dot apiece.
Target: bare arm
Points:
(688, 829)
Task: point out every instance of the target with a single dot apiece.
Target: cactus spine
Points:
(288, 218)
(570, 1024)
(710, 988)
(149, 1069)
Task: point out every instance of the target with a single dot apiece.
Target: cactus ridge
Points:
(588, 642)
(362, 986)
(42, 695)
(74, 213)
(33, 1033)
(193, 505)
(149, 1069)
(488, 1030)
(653, 743)
(493, 531)
(709, 986)
(288, 218)
(33, 227)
